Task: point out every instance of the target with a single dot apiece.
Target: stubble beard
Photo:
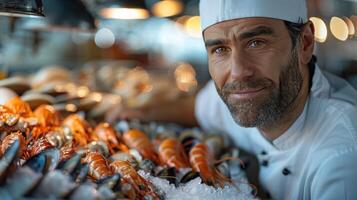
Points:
(270, 107)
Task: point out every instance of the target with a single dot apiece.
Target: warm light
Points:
(183, 19)
(184, 68)
(193, 26)
(146, 88)
(140, 78)
(60, 88)
(113, 99)
(185, 76)
(82, 91)
(320, 29)
(104, 38)
(138, 73)
(71, 88)
(96, 96)
(167, 8)
(353, 19)
(351, 27)
(71, 107)
(339, 28)
(124, 13)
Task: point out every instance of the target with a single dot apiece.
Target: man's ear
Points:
(307, 43)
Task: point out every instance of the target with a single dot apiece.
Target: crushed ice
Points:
(195, 190)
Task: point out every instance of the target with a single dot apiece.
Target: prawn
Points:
(138, 140)
(141, 186)
(172, 153)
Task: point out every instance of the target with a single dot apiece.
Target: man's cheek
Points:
(218, 80)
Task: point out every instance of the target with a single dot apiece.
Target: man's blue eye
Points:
(255, 43)
(220, 50)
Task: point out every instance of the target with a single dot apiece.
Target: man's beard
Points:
(269, 107)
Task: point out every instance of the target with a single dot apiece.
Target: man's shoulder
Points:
(333, 125)
(330, 86)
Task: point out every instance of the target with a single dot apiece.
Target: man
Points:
(277, 103)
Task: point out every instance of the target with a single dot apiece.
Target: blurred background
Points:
(130, 47)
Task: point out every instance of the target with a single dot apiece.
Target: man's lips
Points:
(247, 93)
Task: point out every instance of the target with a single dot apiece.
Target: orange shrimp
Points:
(19, 107)
(7, 116)
(141, 186)
(98, 166)
(26, 118)
(171, 153)
(138, 140)
(67, 151)
(107, 134)
(47, 116)
(48, 119)
(80, 129)
(11, 122)
(37, 147)
(202, 161)
(10, 139)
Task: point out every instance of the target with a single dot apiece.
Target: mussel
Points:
(189, 176)
(7, 160)
(168, 174)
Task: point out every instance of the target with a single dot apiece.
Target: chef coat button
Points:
(264, 152)
(265, 163)
(286, 171)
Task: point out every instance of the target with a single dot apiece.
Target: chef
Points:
(270, 96)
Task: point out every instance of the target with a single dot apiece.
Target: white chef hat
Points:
(214, 11)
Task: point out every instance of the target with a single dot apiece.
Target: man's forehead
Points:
(241, 25)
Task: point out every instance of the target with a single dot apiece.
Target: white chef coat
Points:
(317, 154)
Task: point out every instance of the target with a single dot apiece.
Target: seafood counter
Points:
(45, 156)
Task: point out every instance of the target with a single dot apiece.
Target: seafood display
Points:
(43, 155)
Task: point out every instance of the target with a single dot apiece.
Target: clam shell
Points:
(37, 99)
(17, 84)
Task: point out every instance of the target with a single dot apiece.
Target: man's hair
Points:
(294, 30)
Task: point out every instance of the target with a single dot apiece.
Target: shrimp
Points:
(98, 166)
(202, 161)
(10, 121)
(67, 151)
(107, 134)
(37, 147)
(10, 139)
(141, 186)
(172, 153)
(19, 107)
(47, 116)
(138, 140)
(24, 118)
(7, 116)
(80, 129)
(48, 120)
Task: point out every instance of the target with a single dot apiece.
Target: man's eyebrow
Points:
(215, 42)
(260, 30)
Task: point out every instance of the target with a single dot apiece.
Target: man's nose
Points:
(241, 68)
